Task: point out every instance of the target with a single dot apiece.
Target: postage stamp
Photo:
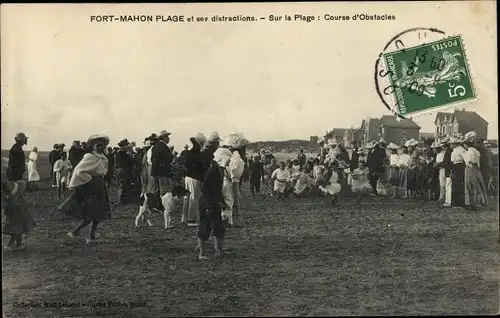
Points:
(429, 76)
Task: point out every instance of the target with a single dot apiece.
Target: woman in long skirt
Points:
(457, 173)
(394, 169)
(89, 200)
(403, 162)
(33, 175)
(475, 189)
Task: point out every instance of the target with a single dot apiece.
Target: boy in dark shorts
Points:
(211, 206)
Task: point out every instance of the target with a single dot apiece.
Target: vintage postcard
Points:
(250, 159)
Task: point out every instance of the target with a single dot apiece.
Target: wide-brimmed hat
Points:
(222, 156)
(200, 139)
(444, 141)
(435, 144)
(164, 133)
(123, 143)
(392, 146)
(470, 135)
(236, 140)
(371, 144)
(20, 136)
(411, 143)
(214, 136)
(97, 137)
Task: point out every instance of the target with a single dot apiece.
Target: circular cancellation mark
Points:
(404, 40)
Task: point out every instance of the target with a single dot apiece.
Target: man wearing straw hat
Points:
(194, 177)
(161, 158)
(207, 153)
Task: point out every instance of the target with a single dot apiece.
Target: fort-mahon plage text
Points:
(295, 17)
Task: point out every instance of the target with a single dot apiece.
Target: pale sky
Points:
(65, 78)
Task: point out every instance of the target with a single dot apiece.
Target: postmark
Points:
(421, 70)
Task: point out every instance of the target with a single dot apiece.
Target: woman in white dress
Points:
(33, 175)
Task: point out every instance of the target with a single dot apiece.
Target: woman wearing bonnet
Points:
(236, 143)
(89, 200)
(475, 189)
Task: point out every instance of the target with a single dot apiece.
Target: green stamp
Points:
(429, 76)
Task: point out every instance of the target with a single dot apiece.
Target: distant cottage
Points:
(390, 129)
(460, 122)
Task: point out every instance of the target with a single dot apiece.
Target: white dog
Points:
(169, 203)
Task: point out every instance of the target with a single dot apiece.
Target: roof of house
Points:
(392, 121)
(443, 117)
(472, 119)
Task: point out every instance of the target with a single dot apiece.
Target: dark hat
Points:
(20, 136)
(123, 143)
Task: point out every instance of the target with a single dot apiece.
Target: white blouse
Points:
(440, 157)
(394, 159)
(471, 157)
(149, 156)
(236, 167)
(456, 154)
(33, 156)
(404, 160)
(281, 175)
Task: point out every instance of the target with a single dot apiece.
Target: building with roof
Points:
(460, 122)
(337, 134)
(390, 129)
(353, 136)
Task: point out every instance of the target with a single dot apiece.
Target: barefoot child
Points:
(281, 177)
(62, 168)
(18, 217)
(211, 205)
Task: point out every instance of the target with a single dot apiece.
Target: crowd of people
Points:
(457, 171)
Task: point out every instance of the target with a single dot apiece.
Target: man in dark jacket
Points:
(484, 164)
(207, 153)
(447, 165)
(16, 166)
(75, 153)
(194, 177)
(301, 157)
(354, 157)
(256, 168)
(375, 161)
(161, 158)
(54, 155)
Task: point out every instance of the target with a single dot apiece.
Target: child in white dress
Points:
(360, 183)
(333, 186)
